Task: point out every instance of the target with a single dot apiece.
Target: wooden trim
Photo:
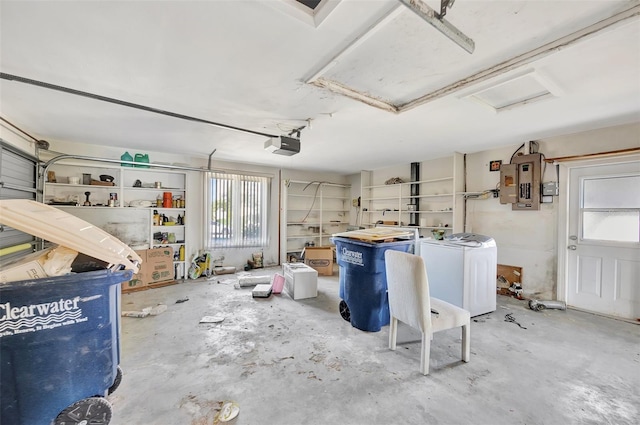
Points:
(592, 155)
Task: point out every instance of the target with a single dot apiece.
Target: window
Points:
(237, 210)
(611, 209)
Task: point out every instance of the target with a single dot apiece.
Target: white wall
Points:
(529, 238)
(17, 139)
(525, 238)
(195, 198)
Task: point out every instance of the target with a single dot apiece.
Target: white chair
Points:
(410, 303)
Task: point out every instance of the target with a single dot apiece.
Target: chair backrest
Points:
(408, 289)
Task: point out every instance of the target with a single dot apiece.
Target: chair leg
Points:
(466, 343)
(393, 332)
(425, 354)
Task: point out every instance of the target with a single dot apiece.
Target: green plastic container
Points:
(142, 158)
(126, 157)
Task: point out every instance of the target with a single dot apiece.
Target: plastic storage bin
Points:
(59, 336)
(363, 281)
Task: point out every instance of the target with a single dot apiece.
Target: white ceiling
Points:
(258, 66)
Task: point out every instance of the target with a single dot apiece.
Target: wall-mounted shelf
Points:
(426, 204)
(320, 208)
(129, 219)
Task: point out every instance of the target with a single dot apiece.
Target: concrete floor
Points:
(298, 362)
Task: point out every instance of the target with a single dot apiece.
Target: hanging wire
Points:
(514, 154)
(315, 196)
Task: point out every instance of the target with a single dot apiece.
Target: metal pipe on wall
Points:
(415, 191)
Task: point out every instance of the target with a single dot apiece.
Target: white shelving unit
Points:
(437, 206)
(135, 195)
(312, 212)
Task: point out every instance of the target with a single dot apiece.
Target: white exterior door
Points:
(603, 257)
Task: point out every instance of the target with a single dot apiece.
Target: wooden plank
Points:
(375, 234)
(513, 274)
(155, 285)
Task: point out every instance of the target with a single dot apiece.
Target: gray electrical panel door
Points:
(18, 177)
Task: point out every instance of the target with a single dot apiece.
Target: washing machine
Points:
(462, 270)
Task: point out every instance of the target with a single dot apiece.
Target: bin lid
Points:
(376, 234)
(62, 228)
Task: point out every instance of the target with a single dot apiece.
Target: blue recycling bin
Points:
(363, 281)
(59, 345)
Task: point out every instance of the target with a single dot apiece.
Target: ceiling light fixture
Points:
(437, 21)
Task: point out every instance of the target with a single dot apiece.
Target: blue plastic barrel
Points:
(59, 343)
(363, 280)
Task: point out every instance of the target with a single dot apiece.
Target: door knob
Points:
(572, 247)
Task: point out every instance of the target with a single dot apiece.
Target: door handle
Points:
(572, 247)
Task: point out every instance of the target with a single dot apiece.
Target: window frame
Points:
(233, 230)
(582, 210)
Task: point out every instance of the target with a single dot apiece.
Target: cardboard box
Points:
(157, 267)
(320, 258)
(55, 261)
(135, 283)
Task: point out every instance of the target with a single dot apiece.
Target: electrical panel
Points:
(520, 182)
(508, 184)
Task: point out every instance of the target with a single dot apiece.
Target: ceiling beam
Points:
(531, 56)
(528, 57)
(420, 8)
(341, 89)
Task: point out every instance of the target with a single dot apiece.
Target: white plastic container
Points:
(300, 281)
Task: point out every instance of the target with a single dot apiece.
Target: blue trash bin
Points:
(59, 343)
(363, 280)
